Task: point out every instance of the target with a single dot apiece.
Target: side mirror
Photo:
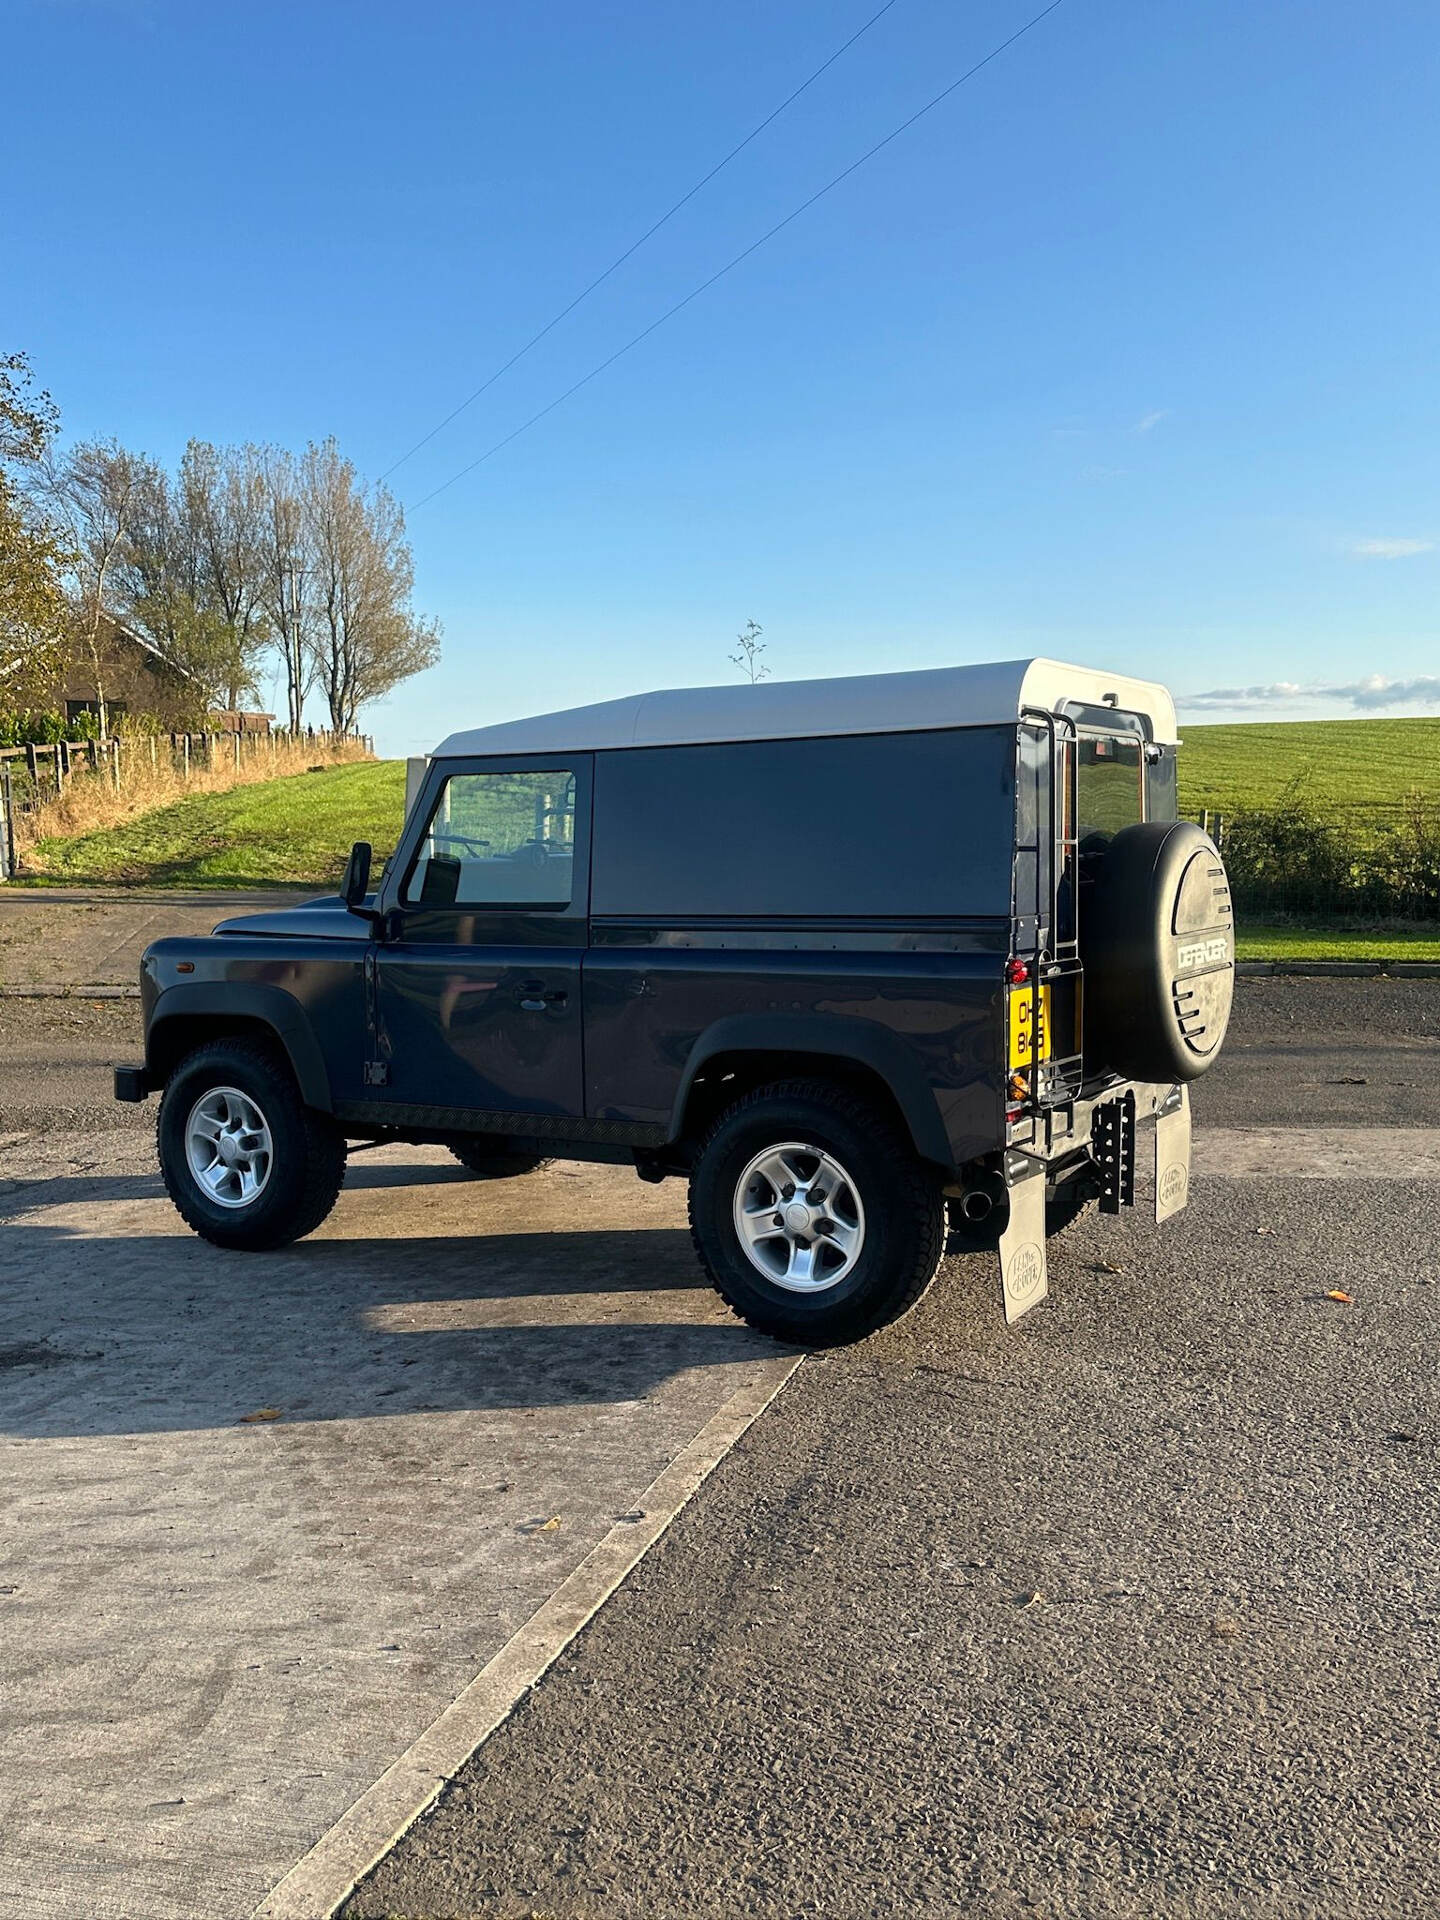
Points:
(356, 881)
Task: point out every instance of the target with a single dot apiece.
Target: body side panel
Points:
(929, 1022)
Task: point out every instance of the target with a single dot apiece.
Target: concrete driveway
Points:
(265, 1516)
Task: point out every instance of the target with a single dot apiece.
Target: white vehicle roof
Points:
(934, 697)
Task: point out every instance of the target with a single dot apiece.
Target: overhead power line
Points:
(744, 254)
(635, 245)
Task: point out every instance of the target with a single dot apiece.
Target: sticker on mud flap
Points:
(1024, 1279)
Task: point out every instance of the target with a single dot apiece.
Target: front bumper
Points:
(133, 1084)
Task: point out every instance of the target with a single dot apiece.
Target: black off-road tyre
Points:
(491, 1160)
(904, 1213)
(307, 1166)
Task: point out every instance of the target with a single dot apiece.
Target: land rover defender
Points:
(871, 963)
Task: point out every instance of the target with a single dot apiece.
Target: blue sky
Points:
(1126, 353)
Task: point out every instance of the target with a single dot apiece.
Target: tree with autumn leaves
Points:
(243, 554)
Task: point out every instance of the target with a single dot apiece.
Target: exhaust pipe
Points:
(976, 1205)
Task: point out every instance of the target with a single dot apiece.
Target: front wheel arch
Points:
(190, 1016)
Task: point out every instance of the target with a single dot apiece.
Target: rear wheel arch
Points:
(740, 1055)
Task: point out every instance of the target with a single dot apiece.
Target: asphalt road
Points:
(1132, 1610)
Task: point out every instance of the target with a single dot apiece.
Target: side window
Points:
(498, 840)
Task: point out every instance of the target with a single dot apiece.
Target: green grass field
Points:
(280, 832)
(1296, 941)
(1342, 761)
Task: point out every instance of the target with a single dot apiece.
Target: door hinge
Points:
(377, 1073)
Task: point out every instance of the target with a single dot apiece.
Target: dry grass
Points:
(150, 779)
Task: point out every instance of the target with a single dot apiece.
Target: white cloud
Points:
(1390, 549)
(1370, 695)
(1148, 421)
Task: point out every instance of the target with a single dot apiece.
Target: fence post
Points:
(62, 766)
(154, 756)
(237, 750)
(7, 826)
(185, 749)
(115, 761)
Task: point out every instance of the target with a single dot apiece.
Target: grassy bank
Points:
(295, 831)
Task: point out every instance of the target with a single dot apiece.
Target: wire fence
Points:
(1301, 859)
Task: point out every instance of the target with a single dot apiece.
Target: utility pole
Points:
(294, 647)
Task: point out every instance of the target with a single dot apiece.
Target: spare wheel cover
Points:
(1158, 944)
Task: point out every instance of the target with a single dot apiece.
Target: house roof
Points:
(129, 633)
(977, 696)
(146, 645)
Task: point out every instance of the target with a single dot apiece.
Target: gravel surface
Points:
(55, 1065)
(1133, 1610)
(94, 936)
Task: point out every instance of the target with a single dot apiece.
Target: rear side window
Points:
(898, 825)
(498, 839)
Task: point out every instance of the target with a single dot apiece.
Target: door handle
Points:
(534, 1001)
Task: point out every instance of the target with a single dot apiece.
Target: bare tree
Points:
(284, 564)
(223, 496)
(365, 637)
(751, 647)
(191, 571)
(97, 490)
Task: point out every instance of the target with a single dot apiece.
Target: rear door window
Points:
(1110, 787)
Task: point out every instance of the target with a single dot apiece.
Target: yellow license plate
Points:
(1029, 1026)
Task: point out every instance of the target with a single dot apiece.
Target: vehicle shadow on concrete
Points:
(115, 1329)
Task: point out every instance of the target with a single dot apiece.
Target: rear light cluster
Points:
(1017, 972)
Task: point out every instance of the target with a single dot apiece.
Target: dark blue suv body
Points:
(867, 961)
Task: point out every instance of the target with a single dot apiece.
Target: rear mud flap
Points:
(1172, 1156)
(1023, 1276)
